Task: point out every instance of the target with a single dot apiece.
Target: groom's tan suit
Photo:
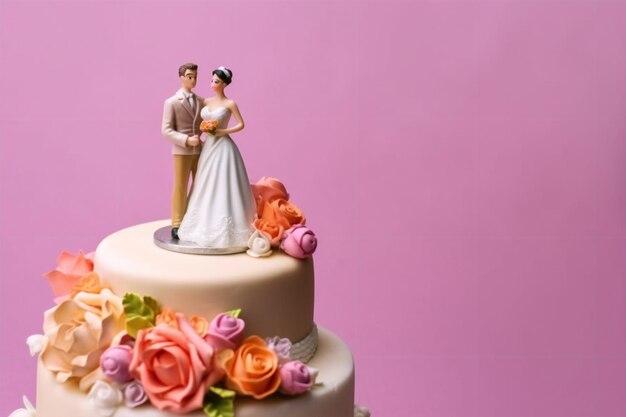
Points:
(181, 120)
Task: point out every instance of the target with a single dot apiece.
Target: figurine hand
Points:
(193, 141)
(219, 132)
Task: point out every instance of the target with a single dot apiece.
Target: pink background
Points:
(463, 163)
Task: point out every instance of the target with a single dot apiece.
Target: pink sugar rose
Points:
(115, 363)
(71, 268)
(299, 241)
(225, 332)
(296, 378)
(175, 366)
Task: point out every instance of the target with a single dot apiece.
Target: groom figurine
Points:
(181, 125)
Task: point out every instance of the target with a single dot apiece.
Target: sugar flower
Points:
(175, 366)
(253, 370)
(225, 331)
(296, 378)
(36, 343)
(78, 331)
(115, 363)
(105, 397)
(281, 347)
(269, 189)
(259, 244)
(28, 411)
(299, 241)
(71, 268)
(134, 394)
(361, 411)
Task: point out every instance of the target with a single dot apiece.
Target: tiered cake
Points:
(148, 327)
(275, 295)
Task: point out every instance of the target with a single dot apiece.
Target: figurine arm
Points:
(240, 123)
(168, 127)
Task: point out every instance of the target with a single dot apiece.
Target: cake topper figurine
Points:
(181, 125)
(221, 209)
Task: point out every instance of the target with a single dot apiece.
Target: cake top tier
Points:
(134, 246)
(275, 293)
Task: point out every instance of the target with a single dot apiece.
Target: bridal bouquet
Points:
(209, 126)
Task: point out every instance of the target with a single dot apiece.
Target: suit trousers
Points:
(184, 165)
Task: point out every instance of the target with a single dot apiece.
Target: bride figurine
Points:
(221, 208)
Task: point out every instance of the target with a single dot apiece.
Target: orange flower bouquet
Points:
(209, 126)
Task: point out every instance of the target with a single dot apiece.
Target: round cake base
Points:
(163, 239)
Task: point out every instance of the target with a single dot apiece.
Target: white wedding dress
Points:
(221, 208)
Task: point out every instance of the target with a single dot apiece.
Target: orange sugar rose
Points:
(167, 316)
(273, 231)
(287, 213)
(253, 370)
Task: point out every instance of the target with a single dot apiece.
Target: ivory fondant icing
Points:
(276, 293)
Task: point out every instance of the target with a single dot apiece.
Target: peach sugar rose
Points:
(253, 370)
(199, 324)
(267, 189)
(167, 316)
(79, 330)
(71, 268)
(90, 283)
(176, 366)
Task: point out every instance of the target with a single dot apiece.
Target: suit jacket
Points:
(181, 121)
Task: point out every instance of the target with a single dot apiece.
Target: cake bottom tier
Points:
(333, 398)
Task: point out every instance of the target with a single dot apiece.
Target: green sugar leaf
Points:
(140, 312)
(219, 402)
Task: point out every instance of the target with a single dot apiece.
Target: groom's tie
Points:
(192, 102)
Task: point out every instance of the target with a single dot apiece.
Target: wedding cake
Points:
(139, 331)
(207, 314)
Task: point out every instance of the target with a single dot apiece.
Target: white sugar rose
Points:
(259, 245)
(36, 343)
(29, 411)
(361, 411)
(105, 397)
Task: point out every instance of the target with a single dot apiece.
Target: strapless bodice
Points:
(221, 114)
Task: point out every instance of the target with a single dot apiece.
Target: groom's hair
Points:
(185, 67)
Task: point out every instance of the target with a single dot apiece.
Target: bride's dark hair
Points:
(224, 76)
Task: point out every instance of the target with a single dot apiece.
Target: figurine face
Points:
(217, 84)
(189, 79)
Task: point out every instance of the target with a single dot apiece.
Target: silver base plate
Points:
(163, 239)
